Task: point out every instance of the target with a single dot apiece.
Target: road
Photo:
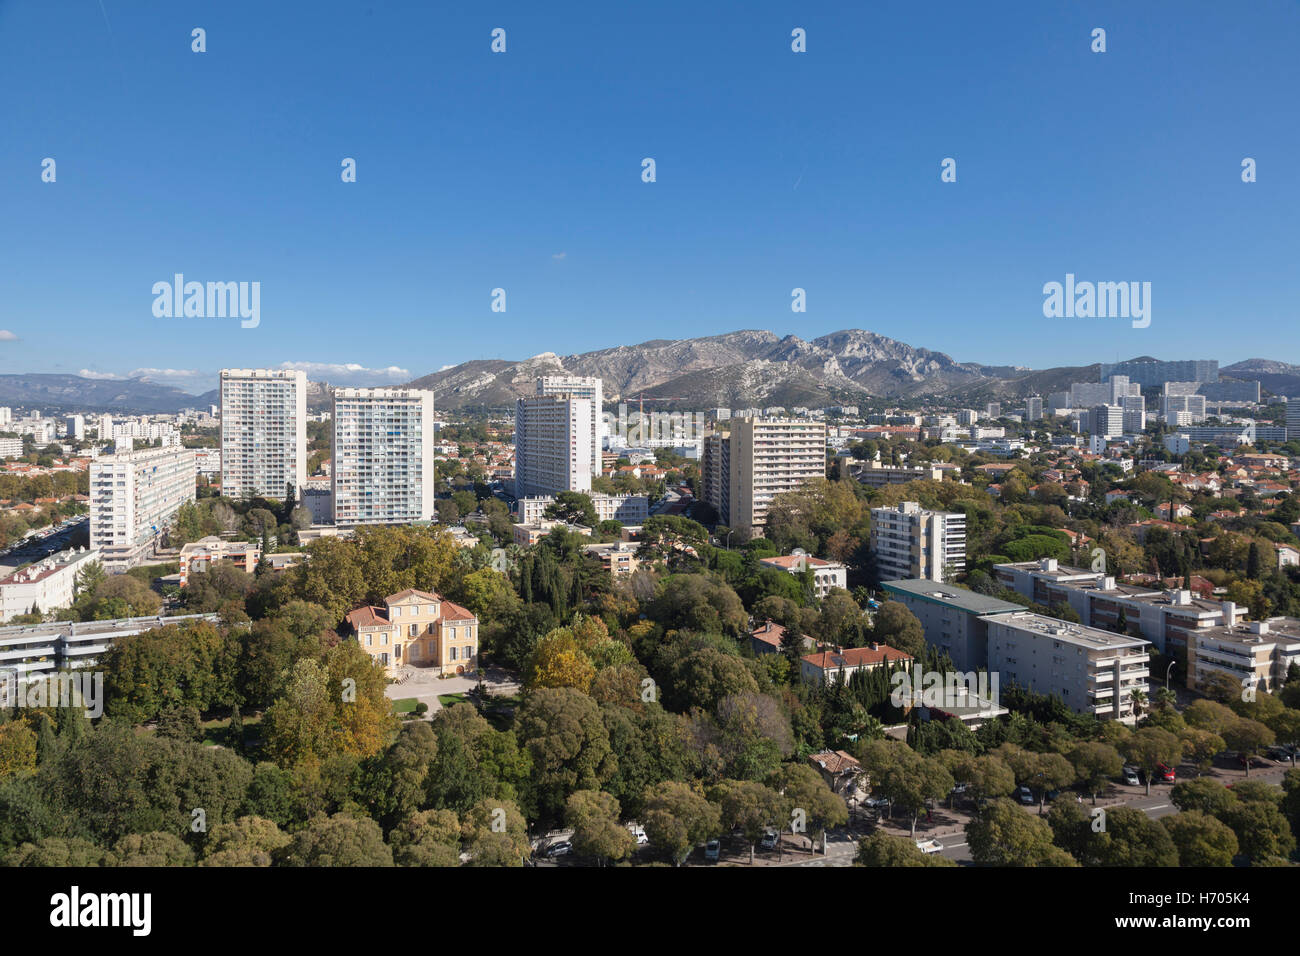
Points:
(842, 847)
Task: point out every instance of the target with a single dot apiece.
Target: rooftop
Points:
(1090, 638)
(950, 596)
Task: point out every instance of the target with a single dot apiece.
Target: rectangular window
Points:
(415, 629)
(451, 654)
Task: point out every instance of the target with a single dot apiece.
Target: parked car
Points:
(769, 840)
(1025, 796)
(929, 846)
(562, 848)
(1281, 752)
(639, 833)
(1132, 777)
(1165, 774)
(713, 851)
(875, 803)
(958, 790)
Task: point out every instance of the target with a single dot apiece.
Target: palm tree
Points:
(1139, 699)
(1166, 698)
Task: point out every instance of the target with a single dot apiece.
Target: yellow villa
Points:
(418, 628)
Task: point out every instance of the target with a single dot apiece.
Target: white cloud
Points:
(7, 336)
(557, 256)
(87, 373)
(351, 373)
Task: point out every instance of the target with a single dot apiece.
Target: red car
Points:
(1165, 774)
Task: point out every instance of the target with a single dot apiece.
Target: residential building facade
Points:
(382, 470)
(263, 432)
(913, 542)
(133, 497)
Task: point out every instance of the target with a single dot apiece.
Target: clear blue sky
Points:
(522, 171)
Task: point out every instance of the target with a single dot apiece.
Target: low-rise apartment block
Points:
(44, 586)
(826, 574)
(1254, 654)
(197, 556)
(955, 619)
(1166, 618)
(1092, 671)
(626, 509)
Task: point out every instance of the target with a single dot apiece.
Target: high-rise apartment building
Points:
(1181, 409)
(133, 496)
(769, 456)
(382, 469)
(912, 542)
(263, 432)
(1293, 419)
(1106, 421)
(553, 435)
(1033, 408)
(581, 387)
(715, 474)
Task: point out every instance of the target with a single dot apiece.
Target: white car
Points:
(929, 846)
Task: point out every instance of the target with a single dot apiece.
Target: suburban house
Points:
(767, 638)
(828, 665)
(837, 768)
(419, 628)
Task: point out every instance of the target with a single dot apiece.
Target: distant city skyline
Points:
(522, 171)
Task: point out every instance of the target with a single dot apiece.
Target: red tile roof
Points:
(856, 657)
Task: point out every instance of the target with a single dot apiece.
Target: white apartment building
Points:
(768, 457)
(1255, 654)
(553, 435)
(11, 447)
(826, 574)
(627, 509)
(589, 388)
(1092, 671)
(6, 416)
(913, 542)
(263, 431)
(1034, 408)
(1293, 419)
(46, 586)
(74, 427)
(1178, 408)
(133, 496)
(383, 456)
(1106, 421)
(207, 461)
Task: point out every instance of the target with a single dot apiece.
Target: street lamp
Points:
(1169, 670)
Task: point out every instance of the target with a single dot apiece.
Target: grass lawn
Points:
(405, 705)
(447, 700)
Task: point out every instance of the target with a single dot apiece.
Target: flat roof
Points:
(950, 595)
(1280, 629)
(1091, 638)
